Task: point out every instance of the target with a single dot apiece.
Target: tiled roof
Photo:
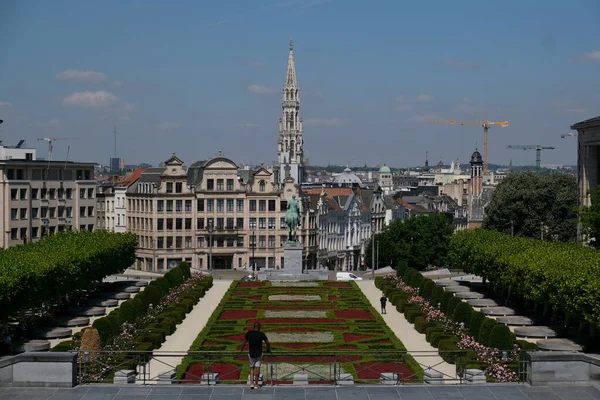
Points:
(135, 175)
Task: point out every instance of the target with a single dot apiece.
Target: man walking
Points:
(255, 338)
(383, 301)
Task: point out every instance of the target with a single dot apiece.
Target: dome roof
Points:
(385, 170)
(476, 158)
(348, 177)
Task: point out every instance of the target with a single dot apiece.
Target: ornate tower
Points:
(476, 174)
(290, 146)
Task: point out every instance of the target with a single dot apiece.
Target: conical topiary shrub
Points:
(90, 342)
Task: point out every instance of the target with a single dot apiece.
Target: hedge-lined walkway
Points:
(413, 341)
(186, 332)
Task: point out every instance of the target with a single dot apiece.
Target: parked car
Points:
(347, 276)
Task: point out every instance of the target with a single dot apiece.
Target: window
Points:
(282, 223)
(240, 205)
(178, 242)
(262, 241)
(160, 224)
(210, 184)
(272, 206)
(262, 223)
(220, 223)
(90, 193)
(169, 205)
(220, 203)
(35, 213)
(69, 193)
(45, 211)
(178, 205)
(44, 194)
(178, 223)
(69, 212)
(169, 242)
(252, 223)
(240, 241)
(252, 205)
(52, 194)
(271, 241)
(14, 233)
(272, 223)
(90, 227)
(81, 193)
(200, 241)
(230, 223)
(200, 223)
(230, 184)
(14, 213)
(210, 205)
(61, 194)
(230, 205)
(200, 205)
(23, 213)
(23, 194)
(14, 194)
(283, 205)
(160, 242)
(188, 206)
(220, 242)
(35, 232)
(239, 223)
(210, 222)
(169, 224)
(252, 240)
(179, 187)
(61, 211)
(282, 240)
(160, 205)
(90, 211)
(188, 223)
(262, 205)
(35, 193)
(81, 212)
(261, 186)
(169, 187)
(188, 242)
(220, 186)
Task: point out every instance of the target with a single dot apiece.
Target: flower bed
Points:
(454, 327)
(304, 319)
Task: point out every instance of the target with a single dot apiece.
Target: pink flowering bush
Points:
(489, 356)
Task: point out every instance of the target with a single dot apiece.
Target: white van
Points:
(347, 276)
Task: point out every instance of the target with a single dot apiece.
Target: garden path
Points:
(424, 353)
(177, 344)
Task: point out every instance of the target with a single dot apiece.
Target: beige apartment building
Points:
(175, 212)
(39, 197)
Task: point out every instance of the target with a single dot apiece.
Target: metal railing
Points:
(279, 368)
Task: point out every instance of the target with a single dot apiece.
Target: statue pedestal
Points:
(292, 257)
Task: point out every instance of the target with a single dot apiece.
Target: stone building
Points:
(111, 208)
(177, 213)
(588, 159)
(39, 197)
(479, 194)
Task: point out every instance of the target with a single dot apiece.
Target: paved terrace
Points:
(185, 392)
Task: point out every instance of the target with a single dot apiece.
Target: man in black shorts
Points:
(255, 338)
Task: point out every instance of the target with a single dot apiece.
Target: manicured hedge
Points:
(563, 275)
(59, 264)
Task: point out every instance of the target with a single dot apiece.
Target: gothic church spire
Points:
(290, 78)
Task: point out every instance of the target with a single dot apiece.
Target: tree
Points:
(590, 218)
(527, 204)
(420, 241)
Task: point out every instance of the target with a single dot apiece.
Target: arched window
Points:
(296, 96)
(261, 186)
(292, 149)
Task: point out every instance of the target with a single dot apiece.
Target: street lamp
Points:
(253, 245)
(373, 250)
(211, 229)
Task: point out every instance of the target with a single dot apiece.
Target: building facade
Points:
(40, 197)
(290, 145)
(588, 159)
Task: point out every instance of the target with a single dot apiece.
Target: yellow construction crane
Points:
(485, 125)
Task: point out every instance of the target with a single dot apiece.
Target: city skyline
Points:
(204, 79)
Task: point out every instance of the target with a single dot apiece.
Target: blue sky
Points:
(195, 77)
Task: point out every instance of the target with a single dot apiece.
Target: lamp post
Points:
(211, 228)
(377, 252)
(253, 245)
(373, 250)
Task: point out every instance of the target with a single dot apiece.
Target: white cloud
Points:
(592, 56)
(467, 100)
(256, 63)
(424, 97)
(52, 123)
(90, 99)
(404, 107)
(5, 104)
(167, 126)
(258, 89)
(74, 75)
(329, 122)
(250, 125)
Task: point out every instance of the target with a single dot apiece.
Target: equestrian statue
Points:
(292, 218)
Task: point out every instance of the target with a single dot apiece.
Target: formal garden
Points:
(327, 330)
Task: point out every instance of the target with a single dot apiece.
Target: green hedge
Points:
(485, 331)
(564, 275)
(462, 313)
(475, 322)
(501, 338)
(60, 264)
